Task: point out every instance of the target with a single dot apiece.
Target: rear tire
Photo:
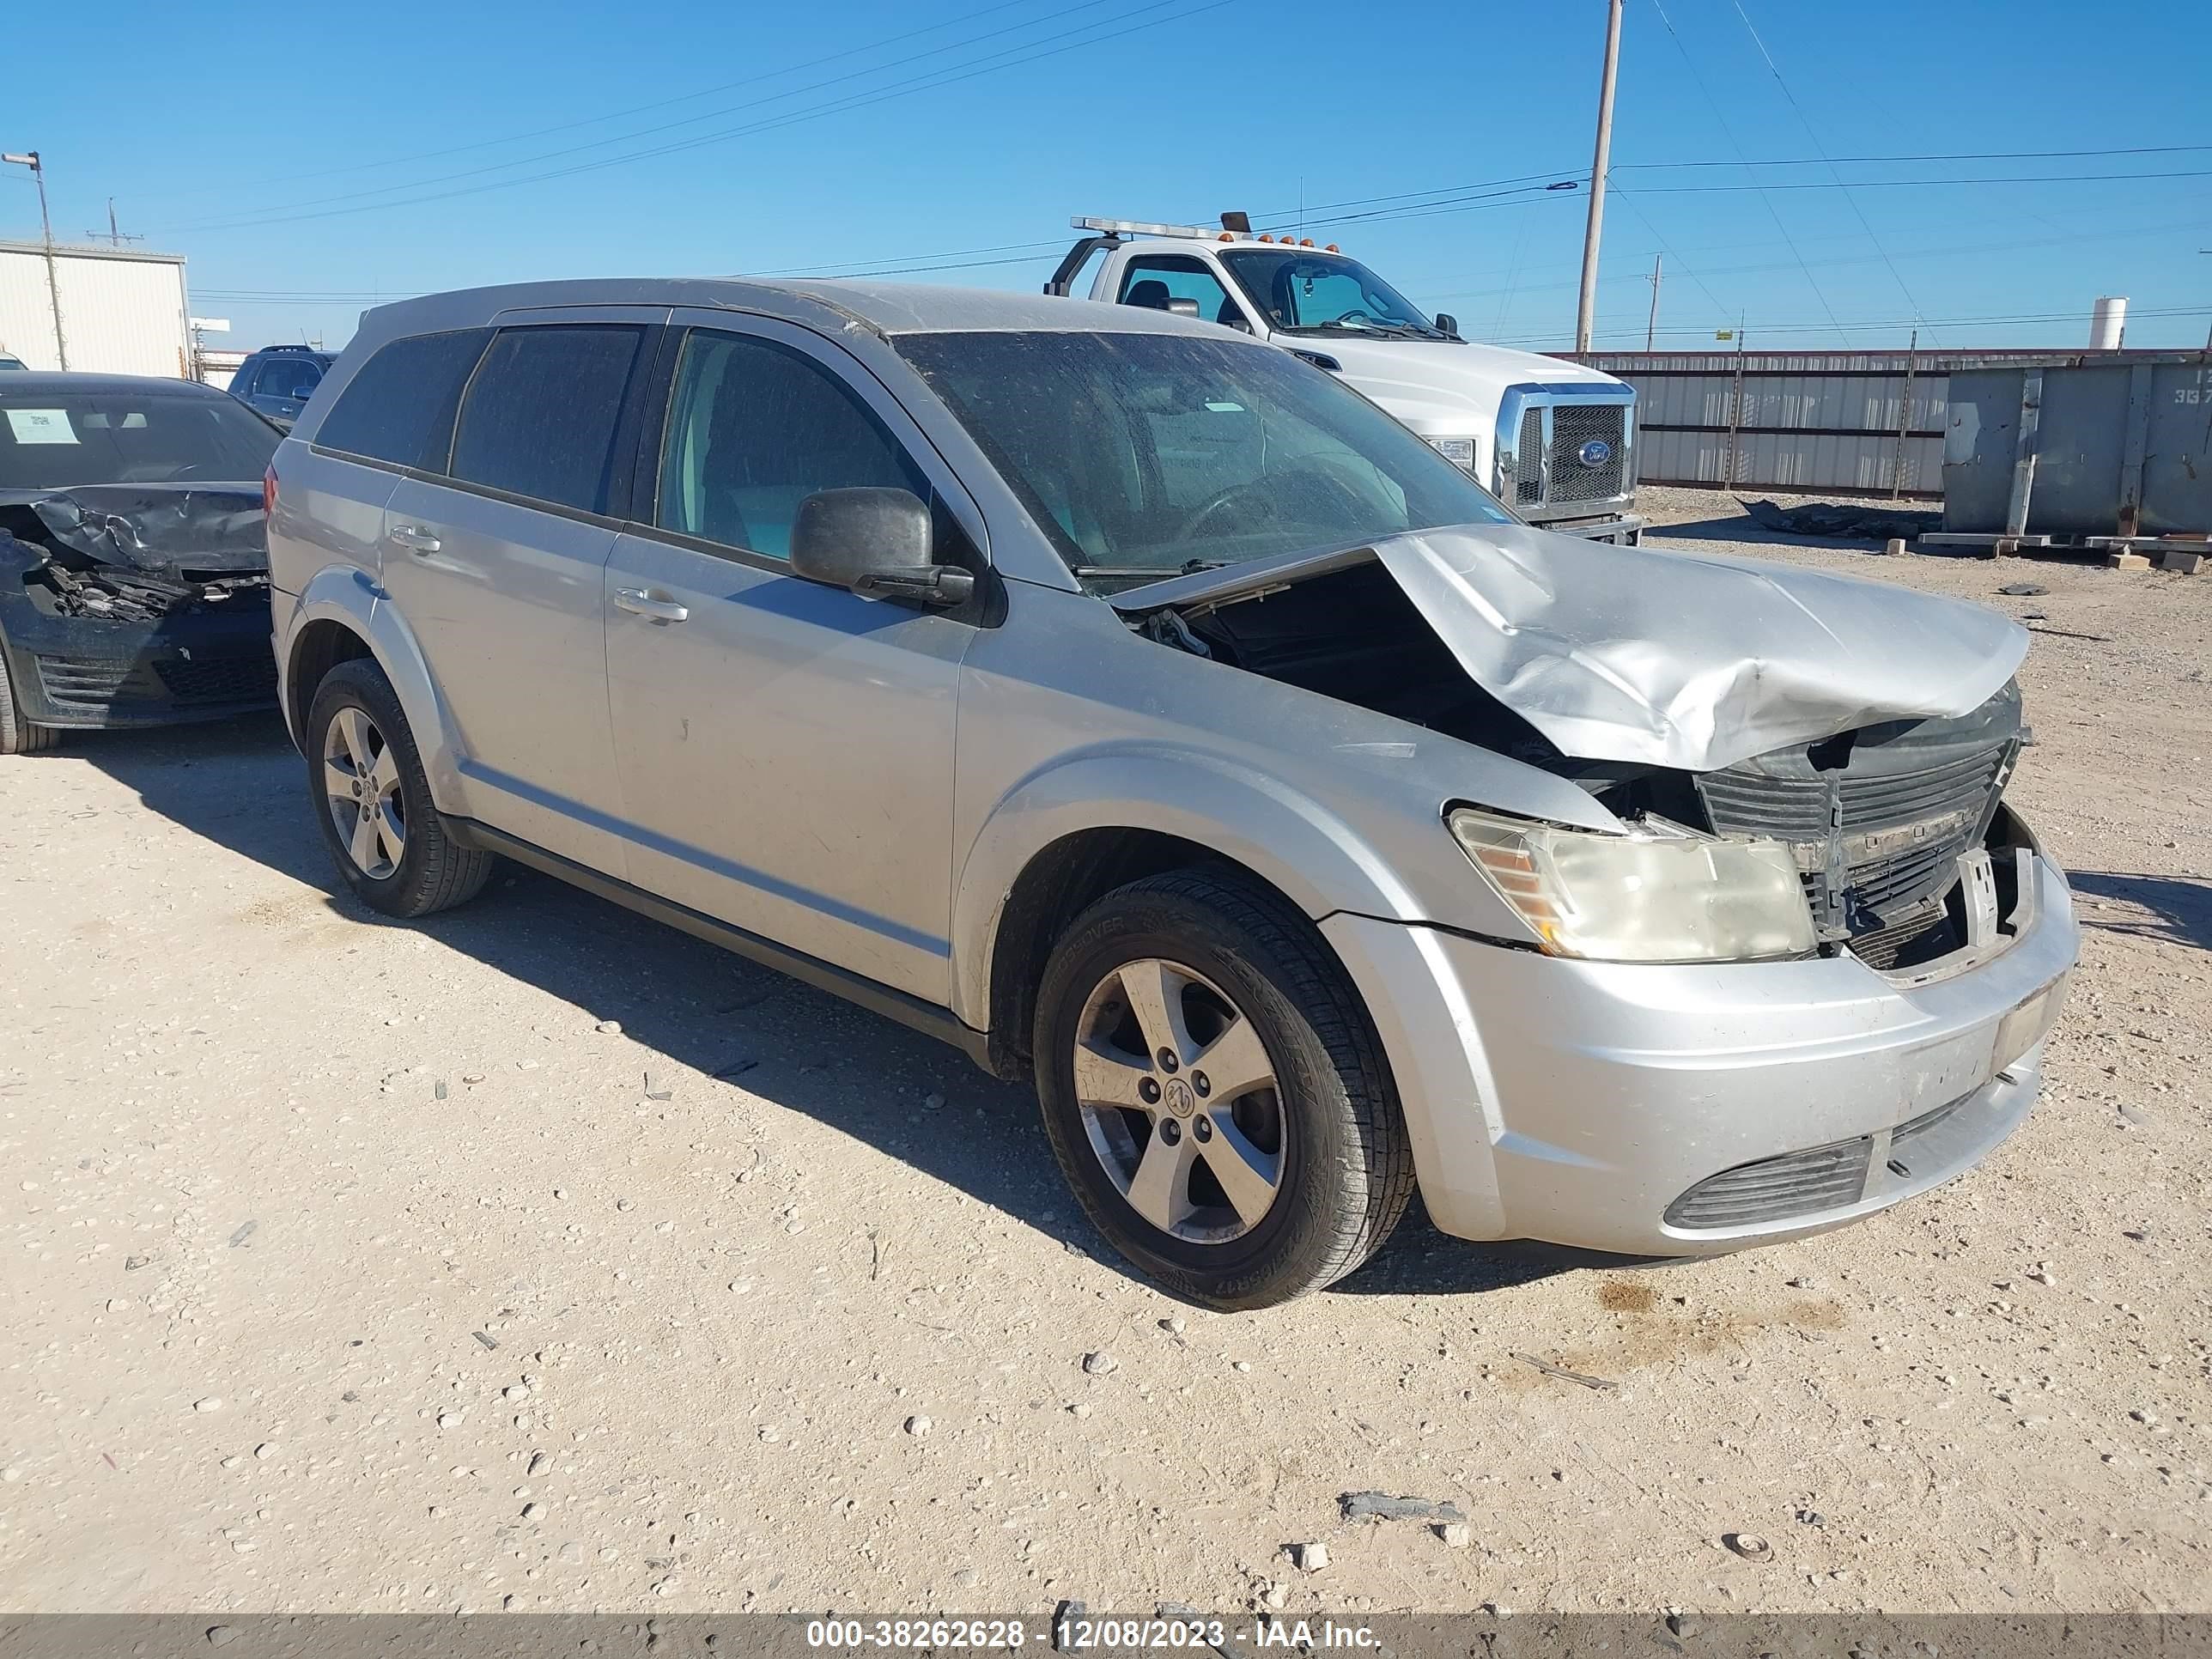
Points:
(1279, 1173)
(18, 735)
(395, 849)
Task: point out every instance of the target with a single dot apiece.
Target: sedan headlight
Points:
(1660, 893)
(1458, 451)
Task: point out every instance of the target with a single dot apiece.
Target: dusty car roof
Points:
(887, 308)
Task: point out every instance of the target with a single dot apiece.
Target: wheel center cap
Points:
(1181, 1100)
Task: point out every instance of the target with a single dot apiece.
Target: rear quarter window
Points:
(399, 407)
(540, 414)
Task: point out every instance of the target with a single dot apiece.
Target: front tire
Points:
(365, 778)
(1214, 1092)
(18, 735)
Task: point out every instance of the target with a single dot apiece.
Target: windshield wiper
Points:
(1187, 568)
(1372, 331)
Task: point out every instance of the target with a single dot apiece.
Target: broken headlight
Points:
(1660, 893)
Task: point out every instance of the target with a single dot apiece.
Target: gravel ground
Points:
(351, 1266)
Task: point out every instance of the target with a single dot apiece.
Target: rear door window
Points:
(540, 414)
(754, 429)
(399, 407)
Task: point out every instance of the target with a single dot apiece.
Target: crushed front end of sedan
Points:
(135, 604)
(134, 571)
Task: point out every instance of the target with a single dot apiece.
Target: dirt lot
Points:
(351, 1266)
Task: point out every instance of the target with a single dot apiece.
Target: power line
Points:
(1628, 200)
(1918, 184)
(661, 103)
(1729, 133)
(1954, 155)
(1774, 70)
(950, 75)
(853, 266)
(1943, 252)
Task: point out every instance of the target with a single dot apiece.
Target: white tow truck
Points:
(1553, 440)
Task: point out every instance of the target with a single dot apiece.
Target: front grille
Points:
(93, 685)
(1529, 461)
(1798, 1185)
(1901, 832)
(1920, 936)
(226, 679)
(1776, 1188)
(86, 686)
(1574, 426)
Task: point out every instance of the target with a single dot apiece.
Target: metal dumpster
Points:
(2081, 446)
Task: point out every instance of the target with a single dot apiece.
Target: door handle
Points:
(641, 603)
(413, 538)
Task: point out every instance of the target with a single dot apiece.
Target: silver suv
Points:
(1138, 708)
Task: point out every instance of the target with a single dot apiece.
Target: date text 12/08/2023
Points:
(1068, 1633)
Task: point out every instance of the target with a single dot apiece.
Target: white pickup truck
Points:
(1553, 440)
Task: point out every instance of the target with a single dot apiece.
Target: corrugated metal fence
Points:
(1857, 423)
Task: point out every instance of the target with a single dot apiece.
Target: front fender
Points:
(1286, 838)
(346, 595)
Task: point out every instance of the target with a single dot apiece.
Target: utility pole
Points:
(30, 159)
(1586, 314)
(1651, 328)
(113, 236)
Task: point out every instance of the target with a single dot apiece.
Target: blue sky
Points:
(308, 160)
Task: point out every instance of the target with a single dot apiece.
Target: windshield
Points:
(51, 440)
(1326, 293)
(1144, 455)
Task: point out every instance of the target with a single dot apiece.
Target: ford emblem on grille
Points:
(1594, 454)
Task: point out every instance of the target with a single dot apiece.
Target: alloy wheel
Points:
(1178, 1097)
(360, 778)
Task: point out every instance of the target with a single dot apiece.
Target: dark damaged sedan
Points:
(134, 576)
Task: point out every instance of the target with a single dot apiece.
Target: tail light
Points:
(269, 491)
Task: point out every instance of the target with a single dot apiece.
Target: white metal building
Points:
(123, 312)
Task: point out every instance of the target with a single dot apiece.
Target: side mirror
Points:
(1449, 322)
(1182, 307)
(876, 543)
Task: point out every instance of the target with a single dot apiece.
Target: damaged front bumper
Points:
(85, 672)
(1684, 1111)
(135, 604)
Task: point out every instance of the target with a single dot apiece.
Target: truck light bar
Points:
(1241, 231)
(1138, 227)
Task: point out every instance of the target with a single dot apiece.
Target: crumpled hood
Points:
(1676, 660)
(160, 528)
(1687, 660)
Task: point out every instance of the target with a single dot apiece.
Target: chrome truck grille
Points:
(1877, 850)
(1565, 451)
(1590, 451)
(1529, 461)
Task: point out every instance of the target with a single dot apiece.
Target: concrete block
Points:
(2180, 560)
